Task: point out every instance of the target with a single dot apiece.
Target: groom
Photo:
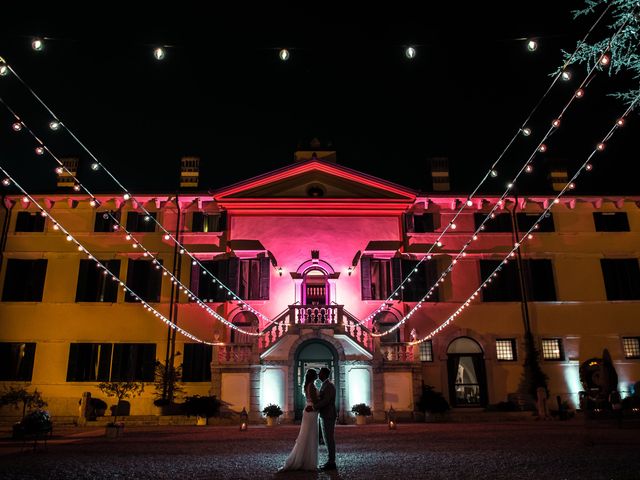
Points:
(326, 406)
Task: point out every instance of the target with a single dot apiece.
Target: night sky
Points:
(223, 94)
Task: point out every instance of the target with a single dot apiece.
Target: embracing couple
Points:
(304, 455)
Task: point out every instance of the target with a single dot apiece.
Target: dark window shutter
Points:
(365, 277)
(539, 273)
(83, 281)
(36, 280)
(233, 274)
(194, 286)
(221, 273)
(222, 221)
(396, 272)
(197, 222)
(110, 291)
(265, 277)
(104, 362)
(408, 222)
(38, 223)
(132, 221)
(23, 222)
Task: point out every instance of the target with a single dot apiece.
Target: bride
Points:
(304, 455)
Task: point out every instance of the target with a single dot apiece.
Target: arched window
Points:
(315, 288)
(246, 321)
(382, 322)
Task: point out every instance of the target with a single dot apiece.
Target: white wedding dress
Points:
(304, 455)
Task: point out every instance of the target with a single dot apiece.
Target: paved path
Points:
(550, 450)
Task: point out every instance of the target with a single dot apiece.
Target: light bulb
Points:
(284, 54)
(127, 237)
(532, 45)
(579, 93)
(69, 238)
(439, 243)
(37, 44)
(181, 251)
(159, 53)
(6, 182)
(526, 131)
(600, 146)
(92, 203)
(572, 186)
(528, 168)
(126, 196)
(25, 199)
(556, 123)
(39, 150)
(494, 173)
(95, 166)
(410, 53)
(76, 187)
(566, 75)
(17, 126)
(167, 237)
(620, 122)
(59, 170)
(56, 226)
(469, 203)
(588, 167)
(54, 125)
(453, 226)
(542, 148)
(4, 70)
(604, 60)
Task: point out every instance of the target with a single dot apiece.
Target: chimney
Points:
(440, 174)
(65, 180)
(558, 176)
(189, 172)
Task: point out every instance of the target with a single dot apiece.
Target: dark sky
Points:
(223, 94)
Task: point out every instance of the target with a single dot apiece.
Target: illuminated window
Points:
(552, 349)
(426, 351)
(506, 349)
(631, 346)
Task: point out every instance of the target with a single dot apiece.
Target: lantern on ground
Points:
(244, 420)
(391, 418)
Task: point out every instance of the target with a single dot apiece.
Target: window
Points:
(89, 362)
(501, 222)
(611, 221)
(248, 278)
(552, 349)
(16, 361)
(631, 347)
(419, 223)
(621, 278)
(141, 222)
(506, 349)
(380, 279)
(505, 287)
(94, 284)
(527, 220)
(133, 362)
(209, 222)
(145, 280)
(105, 221)
(426, 351)
(196, 366)
(24, 280)
(29, 222)
(420, 281)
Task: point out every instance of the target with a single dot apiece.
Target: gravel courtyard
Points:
(553, 450)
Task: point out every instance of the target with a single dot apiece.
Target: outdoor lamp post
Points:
(391, 418)
(244, 420)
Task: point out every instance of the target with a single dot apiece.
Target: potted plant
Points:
(432, 404)
(119, 390)
(362, 411)
(202, 407)
(168, 387)
(272, 412)
(21, 397)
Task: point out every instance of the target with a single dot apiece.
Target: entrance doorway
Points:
(466, 373)
(313, 354)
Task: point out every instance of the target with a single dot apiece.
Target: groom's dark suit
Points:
(326, 407)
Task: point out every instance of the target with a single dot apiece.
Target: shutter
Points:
(72, 366)
(197, 222)
(431, 276)
(233, 274)
(131, 278)
(408, 223)
(81, 289)
(39, 269)
(104, 362)
(265, 277)
(111, 287)
(221, 272)
(396, 274)
(132, 221)
(365, 277)
(155, 281)
(194, 285)
(222, 221)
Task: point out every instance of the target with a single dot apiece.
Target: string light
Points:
(54, 125)
(17, 126)
(542, 148)
(39, 151)
(284, 54)
(566, 75)
(556, 123)
(579, 93)
(604, 60)
(159, 53)
(526, 131)
(528, 168)
(6, 182)
(4, 70)
(494, 173)
(95, 166)
(410, 53)
(601, 146)
(532, 45)
(37, 44)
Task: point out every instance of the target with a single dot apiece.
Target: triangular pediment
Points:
(315, 179)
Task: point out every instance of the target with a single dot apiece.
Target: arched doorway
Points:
(248, 322)
(315, 287)
(466, 373)
(313, 354)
